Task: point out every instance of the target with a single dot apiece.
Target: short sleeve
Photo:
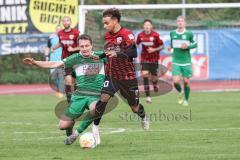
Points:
(128, 39)
(138, 39)
(158, 39)
(70, 61)
(191, 37)
(171, 39)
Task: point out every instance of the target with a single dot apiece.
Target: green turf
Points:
(207, 130)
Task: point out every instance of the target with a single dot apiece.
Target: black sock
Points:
(97, 121)
(178, 87)
(155, 83)
(141, 112)
(68, 91)
(146, 86)
(99, 110)
(69, 132)
(155, 86)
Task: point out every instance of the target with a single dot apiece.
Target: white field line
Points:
(117, 130)
(104, 131)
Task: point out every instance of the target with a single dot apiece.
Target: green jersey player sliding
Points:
(90, 76)
(181, 42)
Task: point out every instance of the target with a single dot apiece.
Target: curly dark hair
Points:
(112, 12)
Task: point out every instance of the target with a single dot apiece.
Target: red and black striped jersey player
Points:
(68, 40)
(151, 46)
(120, 49)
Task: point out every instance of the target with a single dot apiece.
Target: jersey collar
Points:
(116, 32)
(180, 32)
(148, 33)
(92, 53)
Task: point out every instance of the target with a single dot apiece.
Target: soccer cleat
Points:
(149, 100)
(95, 131)
(180, 98)
(185, 103)
(70, 139)
(59, 94)
(145, 123)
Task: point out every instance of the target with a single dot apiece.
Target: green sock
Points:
(178, 87)
(186, 92)
(83, 125)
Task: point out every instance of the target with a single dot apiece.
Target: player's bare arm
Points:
(151, 49)
(73, 49)
(58, 45)
(43, 64)
(111, 53)
(46, 53)
(184, 46)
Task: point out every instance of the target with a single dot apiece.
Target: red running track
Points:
(230, 85)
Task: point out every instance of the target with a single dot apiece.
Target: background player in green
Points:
(90, 76)
(182, 41)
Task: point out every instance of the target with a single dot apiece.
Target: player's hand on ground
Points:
(184, 46)
(70, 49)
(29, 61)
(150, 50)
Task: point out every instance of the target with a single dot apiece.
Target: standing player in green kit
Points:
(181, 42)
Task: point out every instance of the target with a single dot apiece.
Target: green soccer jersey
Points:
(180, 56)
(90, 74)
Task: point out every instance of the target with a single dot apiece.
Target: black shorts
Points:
(151, 67)
(69, 71)
(128, 89)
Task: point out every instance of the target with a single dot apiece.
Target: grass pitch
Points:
(207, 129)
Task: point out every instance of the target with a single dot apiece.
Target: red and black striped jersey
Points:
(68, 39)
(120, 67)
(149, 40)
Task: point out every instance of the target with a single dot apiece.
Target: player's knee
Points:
(154, 78)
(68, 80)
(105, 97)
(63, 125)
(186, 82)
(135, 108)
(144, 74)
(176, 79)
